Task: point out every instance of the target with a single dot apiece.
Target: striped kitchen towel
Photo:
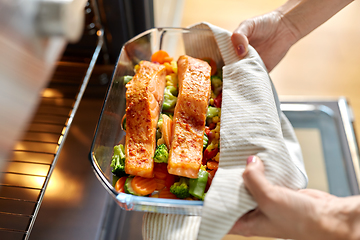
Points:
(251, 124)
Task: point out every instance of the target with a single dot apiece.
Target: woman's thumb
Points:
(240, 41)
(254, 178)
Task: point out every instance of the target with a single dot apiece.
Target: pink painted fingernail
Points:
(240, 50)
(251, 159)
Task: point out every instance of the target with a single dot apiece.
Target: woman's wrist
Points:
(303, 16)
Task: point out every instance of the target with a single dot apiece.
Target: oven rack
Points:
(34, 157)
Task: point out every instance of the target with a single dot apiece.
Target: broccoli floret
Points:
(212, 112)
(181, 188)
(161, 154)
(205, 140)
(169, 97)
(118, 161)
(127, 79)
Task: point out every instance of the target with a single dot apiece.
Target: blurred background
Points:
(56, 63)
(323, 64)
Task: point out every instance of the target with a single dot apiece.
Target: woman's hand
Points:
(270, 34)
(274, 33)
(305, 214)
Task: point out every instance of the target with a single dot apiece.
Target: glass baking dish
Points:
(109, 133)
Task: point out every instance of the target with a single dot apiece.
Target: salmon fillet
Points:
(144, 96)
(189, 117)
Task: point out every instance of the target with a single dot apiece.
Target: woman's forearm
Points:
(340, 218)
(303, 16)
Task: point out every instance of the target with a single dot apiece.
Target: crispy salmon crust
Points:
(189, 119)
(144, 96)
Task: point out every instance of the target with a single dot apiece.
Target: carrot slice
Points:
(165, 193)
(169, 68)
(160, 174)
(160, 171)
(168, 59)
(119, 185)
(160, 56)
(162, 177)
(212, 164)
(143, 186)
(161, 167)
(210, 178)
(160, 184)
(167, 130)
(170, 180)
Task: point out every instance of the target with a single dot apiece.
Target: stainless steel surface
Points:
(72, 194)
(348, 120)
(122, 20)
(60, 18)
(35, 156)
(26, 64)
(337, 140)
(75, 203)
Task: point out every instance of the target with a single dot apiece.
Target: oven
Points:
(48, 189)
(48, 170)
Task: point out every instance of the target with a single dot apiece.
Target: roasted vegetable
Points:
(216, 84)
(161, 154)
(128, 188)
(172, 79)
(118, 161)
(181, 188)
(197, 186)
(170, 98)
(205, 140)
(143, 186)
(212, 112)
(120, 184)
(127, 79)
(161, 57)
